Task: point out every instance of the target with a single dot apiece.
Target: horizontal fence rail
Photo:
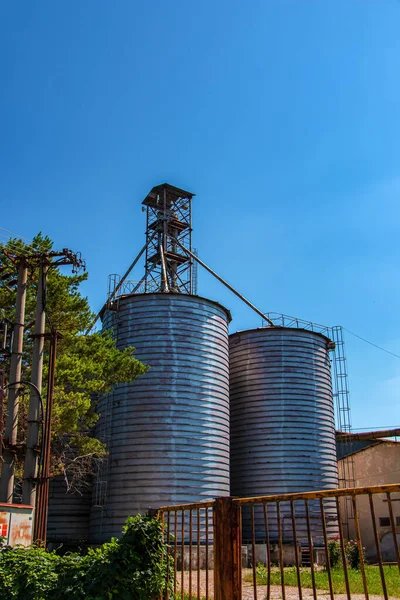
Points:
(290, 546)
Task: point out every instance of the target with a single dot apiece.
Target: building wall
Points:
(376, 465)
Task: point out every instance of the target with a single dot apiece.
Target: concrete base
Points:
(260, 551)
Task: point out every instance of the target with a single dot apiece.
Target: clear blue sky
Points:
(281, 115)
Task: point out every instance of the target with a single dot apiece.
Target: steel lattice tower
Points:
(168, 268)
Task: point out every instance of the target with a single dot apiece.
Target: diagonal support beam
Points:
(225, 283)
(125, 275)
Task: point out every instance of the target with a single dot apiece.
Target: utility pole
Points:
(10, 434)
(42, 490)
(32, 449)
(66, 257)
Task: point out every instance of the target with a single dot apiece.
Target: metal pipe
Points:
(328, 560)
(190, 551)
(377, 546)
(342, 550)
(393, 526)
(175, 549)
(183, 554)
(342, 436)
(375, 489)
(206, 510)
(164, 270)
(360, 547)
(144, 279)
(268, 551)
(253, 552)
(281, 558)
(2, 394)
(42, 499)
(32, 437)
(168, 556)
(310, 549)
(225, 283)
(164, 242)
(133, 264)
(11, 428)
(296, 549)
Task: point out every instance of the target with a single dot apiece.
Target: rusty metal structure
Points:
(213, 567)
(282, 418)
(43, 477)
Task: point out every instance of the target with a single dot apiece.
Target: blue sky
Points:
(281, 115)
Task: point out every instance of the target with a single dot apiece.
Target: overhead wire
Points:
(11, 243)
(371, 343)
(22, 237)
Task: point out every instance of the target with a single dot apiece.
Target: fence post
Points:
(227, 550)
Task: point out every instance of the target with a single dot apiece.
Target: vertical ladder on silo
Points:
(342, 397)
(107, 416)
(195, 273)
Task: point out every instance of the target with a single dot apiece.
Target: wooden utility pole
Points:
(11, 428)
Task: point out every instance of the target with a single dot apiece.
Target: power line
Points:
(9, 240)
(371, 343)
(22, 237)
(14, 246)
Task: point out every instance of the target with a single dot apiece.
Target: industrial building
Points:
(216, 414)
(376, 462)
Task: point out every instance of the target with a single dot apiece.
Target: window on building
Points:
(384, 521)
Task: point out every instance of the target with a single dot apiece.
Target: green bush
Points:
(131, 568)
(334, 552)
(353, 554)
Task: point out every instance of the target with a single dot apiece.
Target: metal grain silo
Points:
(69, 512)
(168, 431)
(282, 417)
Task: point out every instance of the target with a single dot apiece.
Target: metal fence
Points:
(285, 546)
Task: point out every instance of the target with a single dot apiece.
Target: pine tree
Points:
(87, 365)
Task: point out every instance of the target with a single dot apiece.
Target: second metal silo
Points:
(282, 417)
(167, 432)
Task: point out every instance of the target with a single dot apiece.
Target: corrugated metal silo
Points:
(69, 512)
(168, 431)
(282, 418)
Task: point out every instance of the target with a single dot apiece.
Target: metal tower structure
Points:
(168, 268)
(170, 261)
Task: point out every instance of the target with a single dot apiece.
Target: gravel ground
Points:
(291, 593)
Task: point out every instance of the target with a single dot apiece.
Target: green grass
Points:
(392, 579)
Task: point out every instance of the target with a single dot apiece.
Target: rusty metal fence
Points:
(285, 546)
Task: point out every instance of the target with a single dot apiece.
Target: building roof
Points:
(348, 448)
(173, 193)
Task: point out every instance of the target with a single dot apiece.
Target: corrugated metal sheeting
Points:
(282, 416)
(168, 431)
(69, 512)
